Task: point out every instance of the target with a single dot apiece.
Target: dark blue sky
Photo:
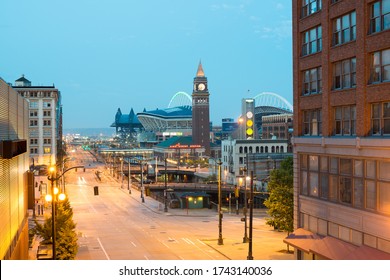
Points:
(109, 54)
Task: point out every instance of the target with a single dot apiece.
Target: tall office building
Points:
(14, 163)
(341, 54)
(201, 111)
(45, 121)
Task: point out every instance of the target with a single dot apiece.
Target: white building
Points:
(259, 156)
(45, 121)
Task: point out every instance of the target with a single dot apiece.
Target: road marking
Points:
(146, 257)
(104, 251)
(133, 244)
(188, 241)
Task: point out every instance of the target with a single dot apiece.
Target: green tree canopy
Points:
(66, 236)
(280, 202)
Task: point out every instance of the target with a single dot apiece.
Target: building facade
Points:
(201, 111)
(45, 121)
(277, 126)
(341, 144)
(14, 167)
(240, 156)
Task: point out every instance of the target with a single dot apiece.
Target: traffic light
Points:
(249, 129)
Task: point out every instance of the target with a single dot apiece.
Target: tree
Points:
(280, 202)
(66, 236)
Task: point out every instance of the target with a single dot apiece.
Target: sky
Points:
(131, 54)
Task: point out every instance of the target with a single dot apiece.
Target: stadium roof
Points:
(174, 112)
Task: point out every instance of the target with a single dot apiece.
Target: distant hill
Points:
(90, 131)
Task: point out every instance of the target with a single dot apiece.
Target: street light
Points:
(53, 198)
(129, 176)
(220, 240)
(142, 181)
(250, 256)
(165, 191)
(121, 160)
(245, 239)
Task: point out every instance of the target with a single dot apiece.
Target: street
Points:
(116, 225)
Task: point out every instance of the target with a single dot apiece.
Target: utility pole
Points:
(250, 256)
(220, 240)
(142, 181)
(165, 191)
(129, 176)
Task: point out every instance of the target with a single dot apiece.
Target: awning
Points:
(302, 239)
(332, 248)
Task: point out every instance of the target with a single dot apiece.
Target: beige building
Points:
(45, 121)
(341, 139)
(14, 166)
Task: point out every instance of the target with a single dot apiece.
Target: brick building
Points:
(341, 144)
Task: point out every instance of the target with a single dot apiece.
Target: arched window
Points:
(246, 150)
(273, 149)
(281, 149)
(261, 149)
(240, 150)
(257, 149)
(277, 149)
(250, 150)
(266, 149)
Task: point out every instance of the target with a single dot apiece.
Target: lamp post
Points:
(142, 181)
(250, 256)
(245, 239)
(53, 213)
(156, 171)
(165, 191)
(53, 198)
(121, 160)
(129, 176)
(220, 240)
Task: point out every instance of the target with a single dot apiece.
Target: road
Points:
(116, 225)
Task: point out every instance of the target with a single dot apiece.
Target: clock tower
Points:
(201, 111)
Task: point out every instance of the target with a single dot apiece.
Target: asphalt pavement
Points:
(267, 242)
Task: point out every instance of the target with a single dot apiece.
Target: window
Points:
(46, 122)
(47, 141)
(344, 29)
(344, 74)
(33, 151)
(312, 81)
(345, 120)
(33, 113)
(33, 104)
(46, 113)
(380, 66)
(312, 124)
(47, 132)
(310, 7)
(342, 180)
(46, 104)
(47, 150)
(380, 118)
(380, 16)
(312, 41)
(33, 122)
(33, 141)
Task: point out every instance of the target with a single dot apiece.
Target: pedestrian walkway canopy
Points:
(331, 248)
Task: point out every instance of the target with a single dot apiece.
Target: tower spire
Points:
(200, 72)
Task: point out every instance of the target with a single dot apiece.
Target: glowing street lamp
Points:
(53, 198)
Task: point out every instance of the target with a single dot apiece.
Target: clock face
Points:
(201, 86)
